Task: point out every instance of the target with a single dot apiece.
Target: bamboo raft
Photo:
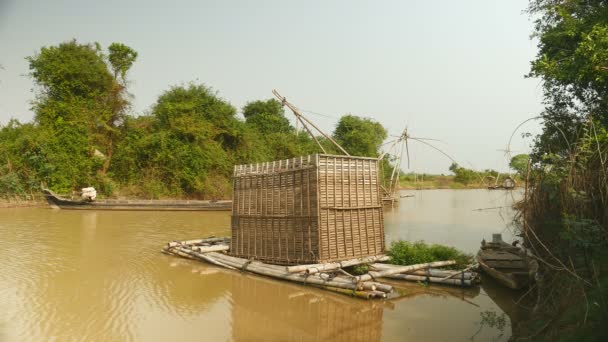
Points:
(329, 276)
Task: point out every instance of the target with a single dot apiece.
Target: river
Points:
(70, 275)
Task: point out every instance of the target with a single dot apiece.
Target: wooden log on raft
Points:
(429, 272)
(279, 272)
(466, 269)
(213, 248)
(410, 277)
(401, 269)
(189, 254)
(316, 268)
(198, 241)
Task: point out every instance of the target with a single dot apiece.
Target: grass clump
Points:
(409, 253)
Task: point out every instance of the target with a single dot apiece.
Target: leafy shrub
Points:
(409, 253)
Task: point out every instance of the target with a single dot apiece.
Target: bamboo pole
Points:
(315, 268)
(207, 249)
(402, 269)
(255, 267)
(186, 253)
(198, 241)
(410, 277)
(302, 118)
(466, 269)
(433, 272)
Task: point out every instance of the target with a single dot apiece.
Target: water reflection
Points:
(271, 310)
(450, 217)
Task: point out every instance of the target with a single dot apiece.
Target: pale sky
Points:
(449, 70)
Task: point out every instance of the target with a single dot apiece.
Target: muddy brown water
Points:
(99, 276)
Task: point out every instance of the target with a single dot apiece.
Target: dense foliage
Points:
(410, 253)
(519, 163)
(565, 217)
(360, 136)
(83, 133)
(572, 61)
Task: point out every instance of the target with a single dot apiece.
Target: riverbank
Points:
(429, 182)
(20, 203)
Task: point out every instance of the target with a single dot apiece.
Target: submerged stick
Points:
(460, 282)
(358, 294)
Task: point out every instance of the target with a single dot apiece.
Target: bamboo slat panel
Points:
(318, 208)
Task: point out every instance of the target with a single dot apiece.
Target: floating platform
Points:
(56, 201)
(328, 276)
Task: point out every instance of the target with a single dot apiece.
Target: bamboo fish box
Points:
(306, 210)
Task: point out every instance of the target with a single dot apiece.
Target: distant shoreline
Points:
(432, 182)
(8, 204)
(427, 185)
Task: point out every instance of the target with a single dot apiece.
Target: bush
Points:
(409, 253)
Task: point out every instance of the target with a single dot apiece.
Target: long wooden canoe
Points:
(56, 201)
(509, 265)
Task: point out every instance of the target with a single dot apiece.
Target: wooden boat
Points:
(509, 265)
(56, 201)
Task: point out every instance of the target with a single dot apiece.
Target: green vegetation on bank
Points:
(565, 217)
(85, 133)
(462, 178)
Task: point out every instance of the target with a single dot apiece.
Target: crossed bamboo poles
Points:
(402, 140)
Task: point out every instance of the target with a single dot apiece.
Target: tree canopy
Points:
(85, 135)
(572, 61)
(267, 116)
(360, 136)
(519, 163)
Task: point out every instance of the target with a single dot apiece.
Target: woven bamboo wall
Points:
(311, 209)
(351, 220)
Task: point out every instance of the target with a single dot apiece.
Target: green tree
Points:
(70, 70)
(572, 61)
(360, 136)
(519, 163)
(267, 116)
(186, 147)
(121, 59)
(463, 175)
(79, 107)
